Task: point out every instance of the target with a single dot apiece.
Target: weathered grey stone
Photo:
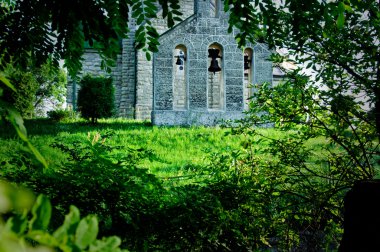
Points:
(159, 89)
(193, 117)
(230, 81)
(199, 64)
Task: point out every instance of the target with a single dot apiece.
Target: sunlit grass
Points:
(176, 150)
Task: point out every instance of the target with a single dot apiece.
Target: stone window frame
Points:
(186, 72)
(223, 82)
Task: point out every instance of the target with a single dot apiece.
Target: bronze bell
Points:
(246, 62)
(214, 66)
(179, 61)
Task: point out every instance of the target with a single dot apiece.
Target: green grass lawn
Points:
(178, 153)
(176, 150)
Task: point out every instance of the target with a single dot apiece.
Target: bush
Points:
(96, 98)
(122, 196)
(36, 88)
(27, 226)
(23, 98)
(59, 114)
(133, 204)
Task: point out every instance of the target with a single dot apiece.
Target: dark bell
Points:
(214, 66)
(213, 53)
(246, 62)
(179, 61)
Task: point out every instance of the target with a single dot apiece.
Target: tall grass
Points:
(176, 150)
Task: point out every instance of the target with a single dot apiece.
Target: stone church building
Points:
(199, 76)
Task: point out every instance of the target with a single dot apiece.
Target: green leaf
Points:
(6, 82)
(148, 56)
(43, 238)
(140, 19)
(17, 224)
(341, 18)
(348, 8)
(41, 212)
(37, 155)
(109, 244)
(86, 232)
(18, 123)
(69, 226)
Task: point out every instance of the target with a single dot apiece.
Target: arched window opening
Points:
(179, 78)
(215, 82)
(248, 76)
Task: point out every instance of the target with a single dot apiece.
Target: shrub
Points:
(59, 114)
(26, 87)
(26, 226)
(36, 87)
(96, 98)
(122, 196)
(133, 204)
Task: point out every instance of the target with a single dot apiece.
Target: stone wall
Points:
(133, 78)
(194, 99)
(144, 78)
(197, 34)
(91, 64)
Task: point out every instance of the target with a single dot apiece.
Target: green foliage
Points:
(6, 82)
(289, 206)
(146, 212)
(336, 41)
(178, 151)
(333, 95)
(112, 187)
(60, 114)
(35, 87)
(246, 198)
(51, 86)
(60, 29)
(96, 98)
(26, 87)
(301, 185)
(10, 114)
(26, 226)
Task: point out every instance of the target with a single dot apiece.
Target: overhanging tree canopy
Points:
(58, 29)
(338, 40)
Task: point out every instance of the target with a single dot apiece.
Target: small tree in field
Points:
(96, 98)
(25, 94)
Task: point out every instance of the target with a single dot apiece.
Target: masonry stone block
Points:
(199, 64)
(231, 81)
(137, 80)
(236, 65)
(234, 73)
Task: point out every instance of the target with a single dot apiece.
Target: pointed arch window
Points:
(180, 78)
